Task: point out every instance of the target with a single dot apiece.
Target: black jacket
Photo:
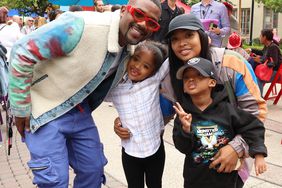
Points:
(272, 51)
(212, 129)
(166, 17)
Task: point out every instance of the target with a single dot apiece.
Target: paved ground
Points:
(14, 172)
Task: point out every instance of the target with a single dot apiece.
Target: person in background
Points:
(54, 14)
(211, 9)
(41, 21)
(75, 8)
(98, 4)
(169, 11)
(234, 23)
(9, 34)
(270, 50)
(29, 26)
(18, 21)
(52, 110)
(206, 122)
(235, 44)
(115, 7)
(3, 15)
(275, 35)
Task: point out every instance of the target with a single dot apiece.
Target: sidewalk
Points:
(14, 172)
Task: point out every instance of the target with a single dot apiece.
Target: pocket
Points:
(43, 171)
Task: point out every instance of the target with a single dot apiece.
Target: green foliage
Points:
(192, 2)
(27, 7)
(275, 5)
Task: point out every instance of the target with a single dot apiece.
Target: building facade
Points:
(263, 18)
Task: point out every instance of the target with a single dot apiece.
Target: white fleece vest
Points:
(62, 77)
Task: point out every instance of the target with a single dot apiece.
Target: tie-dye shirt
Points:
(54, 39)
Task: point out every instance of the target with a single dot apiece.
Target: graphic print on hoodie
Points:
(210, 137)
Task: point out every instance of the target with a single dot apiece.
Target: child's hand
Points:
(260, 164)
(122, 132)
(185, 118)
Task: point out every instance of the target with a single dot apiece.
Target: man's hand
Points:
(22, 124)
(123, 133)
(226, 160)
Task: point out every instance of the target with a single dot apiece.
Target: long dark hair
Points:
(175, 63)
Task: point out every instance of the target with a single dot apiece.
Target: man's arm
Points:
(53, 40)
(225, 23)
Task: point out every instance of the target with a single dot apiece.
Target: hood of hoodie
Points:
(219, 94)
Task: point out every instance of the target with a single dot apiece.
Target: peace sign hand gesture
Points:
(185, 118)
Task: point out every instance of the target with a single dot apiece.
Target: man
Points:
(210, 9)
(99, 5)
(62, 72)
(169, 11)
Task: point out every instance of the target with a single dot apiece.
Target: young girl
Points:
(136, 99)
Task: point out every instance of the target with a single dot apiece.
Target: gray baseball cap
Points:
(184, 21)
(204, 66)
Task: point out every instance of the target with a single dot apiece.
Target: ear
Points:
(212, 83)
(122, 10)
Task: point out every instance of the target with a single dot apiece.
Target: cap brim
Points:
(179, 74)
(182, 27)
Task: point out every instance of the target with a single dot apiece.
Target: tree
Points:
(192, 2)
(27, 7)
(275, 5)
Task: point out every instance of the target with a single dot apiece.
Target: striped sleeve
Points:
(246, 88)
(55, 39)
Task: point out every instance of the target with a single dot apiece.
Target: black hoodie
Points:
(212, 129)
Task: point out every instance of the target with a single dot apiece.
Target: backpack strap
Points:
(222, 73)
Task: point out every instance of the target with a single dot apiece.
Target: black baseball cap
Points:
(204, 66)
(184, 21)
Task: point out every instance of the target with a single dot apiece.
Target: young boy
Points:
(206, 122)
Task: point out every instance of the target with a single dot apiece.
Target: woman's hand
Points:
(225, 160)
(185, 118)
(123, 133)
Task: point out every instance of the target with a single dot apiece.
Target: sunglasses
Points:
(140, 16)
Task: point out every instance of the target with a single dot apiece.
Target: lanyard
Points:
(203, 13)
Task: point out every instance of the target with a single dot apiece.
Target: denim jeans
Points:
(71, 139)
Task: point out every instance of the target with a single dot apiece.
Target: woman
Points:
(270, 50)
(187, 39)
